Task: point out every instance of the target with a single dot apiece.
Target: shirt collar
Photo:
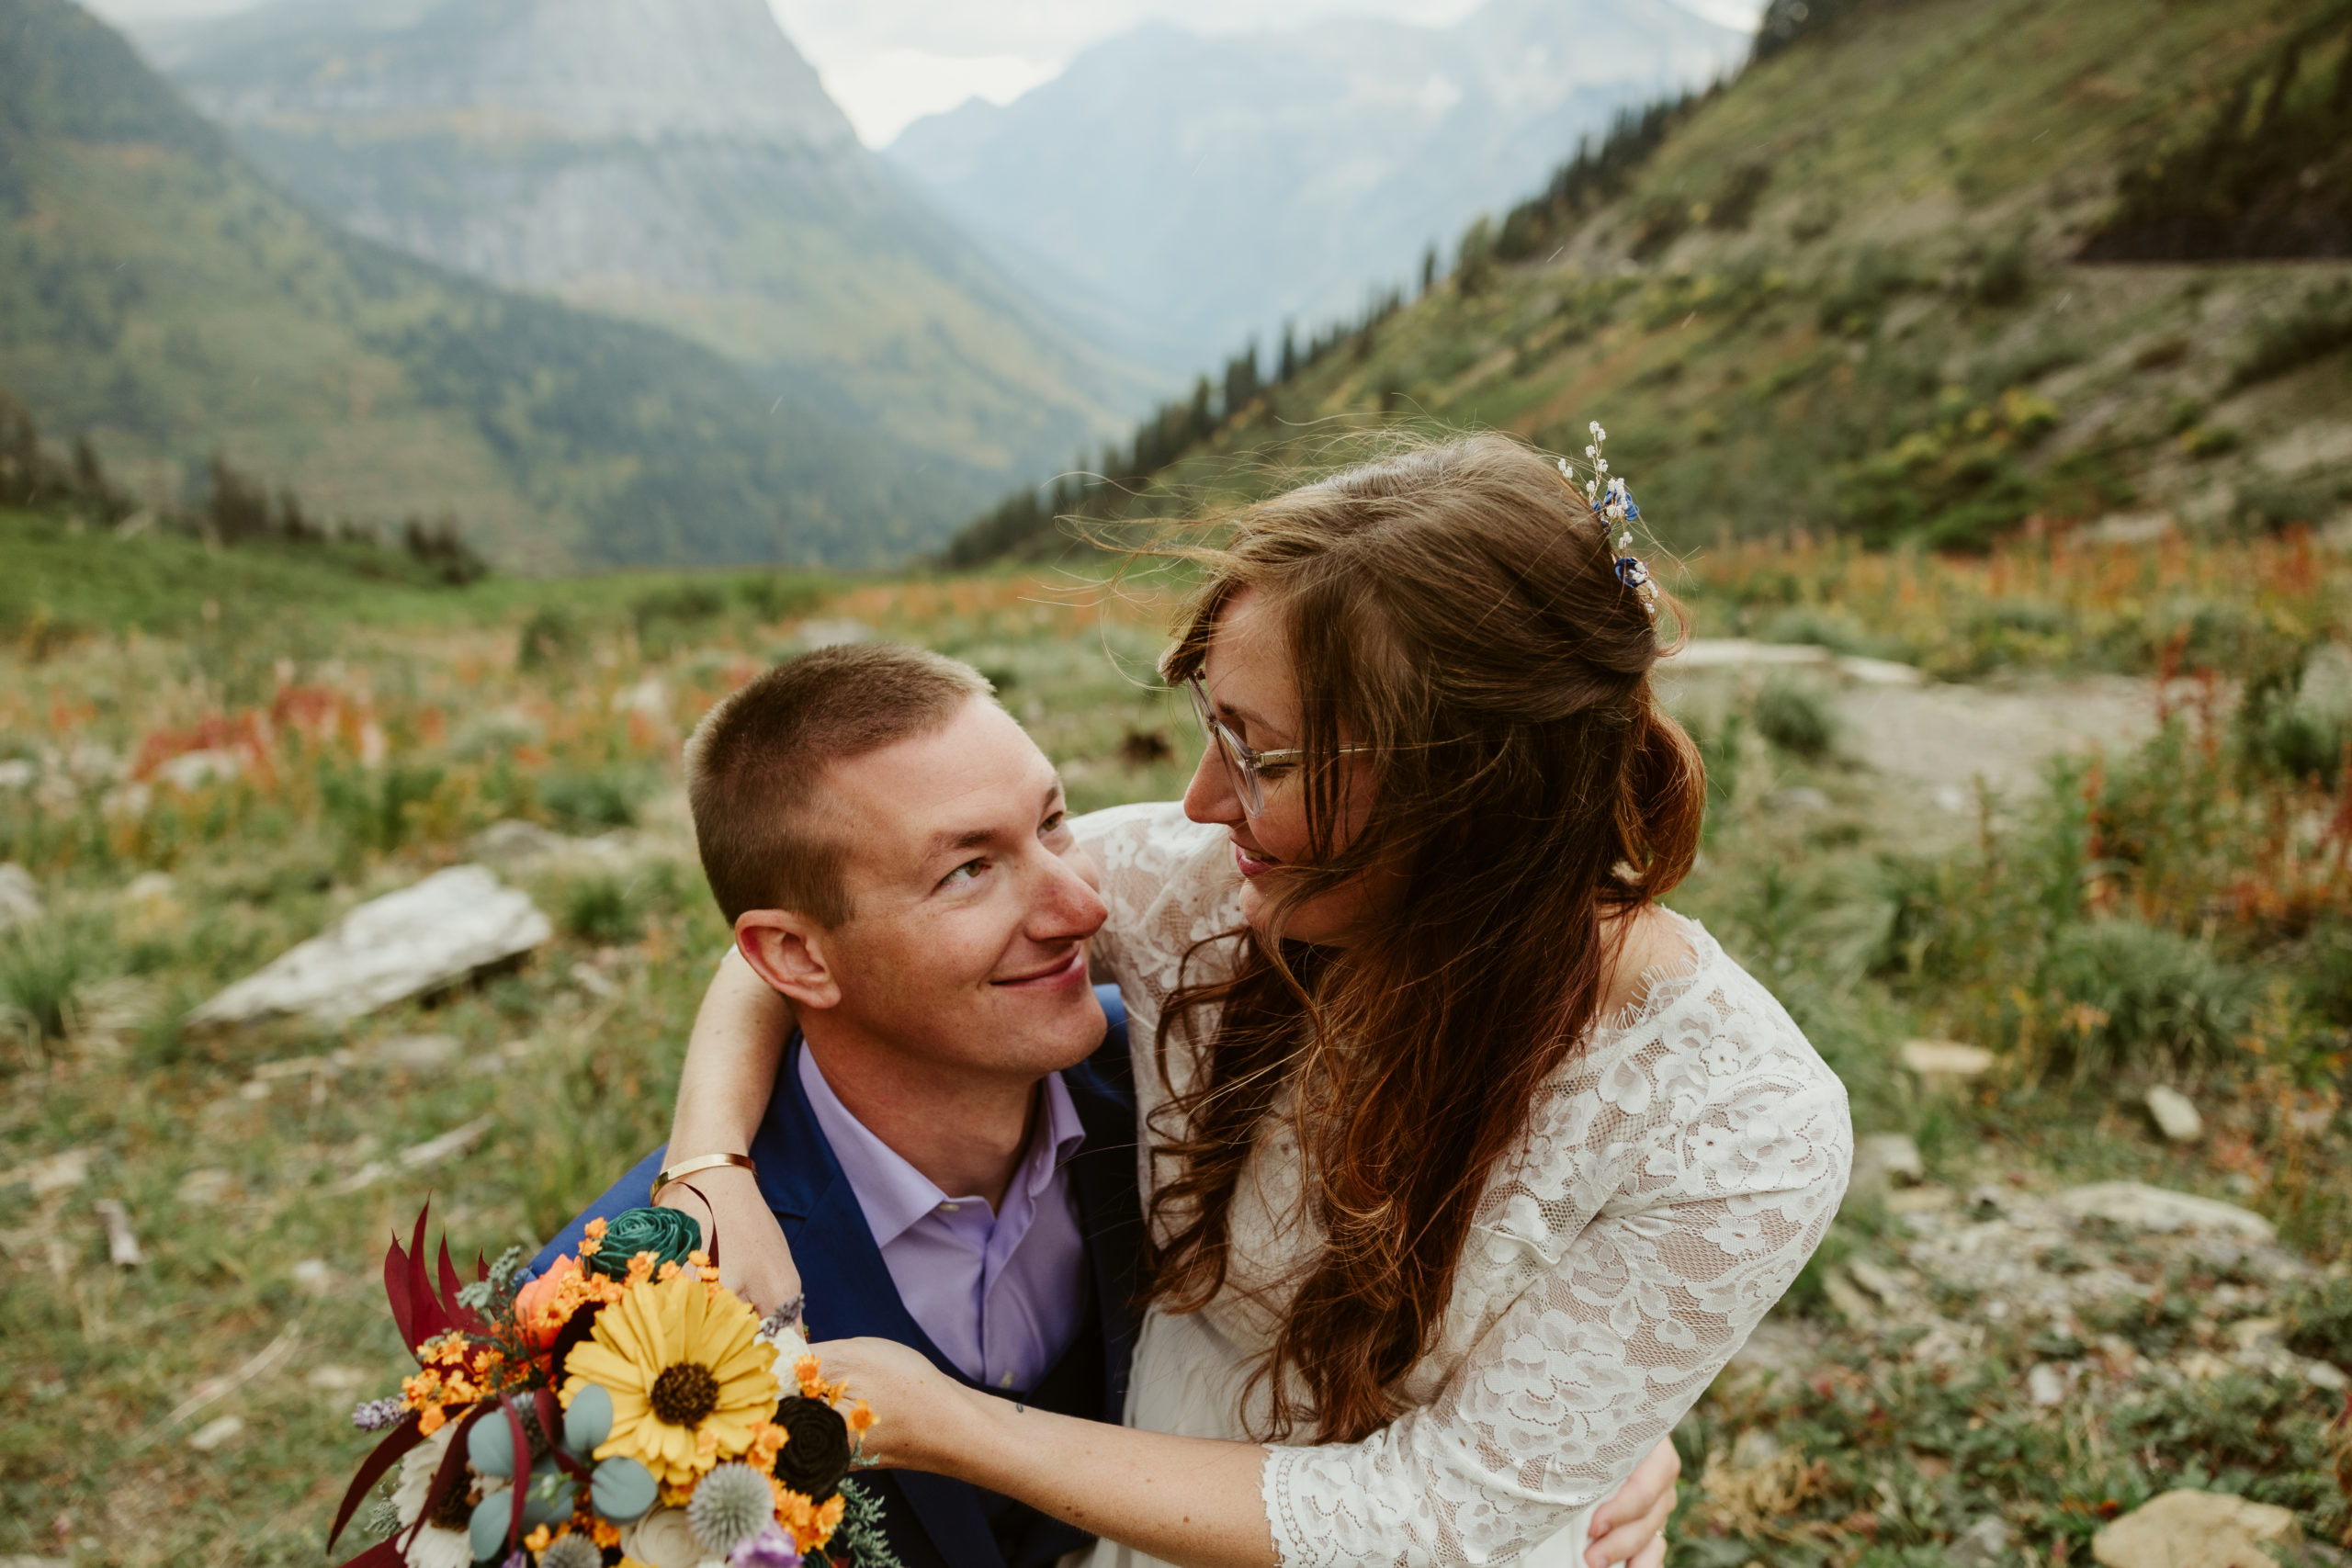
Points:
(891, 1193)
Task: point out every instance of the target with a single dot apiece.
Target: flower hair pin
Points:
(1607, 495)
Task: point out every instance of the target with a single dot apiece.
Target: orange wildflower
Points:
(537, 1539)
(861, 1419)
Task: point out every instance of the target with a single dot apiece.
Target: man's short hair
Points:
(755, 766)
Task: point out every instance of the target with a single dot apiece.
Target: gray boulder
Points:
(406, 944)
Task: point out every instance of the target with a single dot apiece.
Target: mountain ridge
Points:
(159, 294)
(723, 196)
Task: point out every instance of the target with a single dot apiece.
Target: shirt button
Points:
(950, 1208)
(1005, 1381)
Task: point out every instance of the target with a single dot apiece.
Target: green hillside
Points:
(743, 214)
(159, 294)
(1846, 292)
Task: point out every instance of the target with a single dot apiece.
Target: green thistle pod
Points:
(623, 1490)
(589, 1421)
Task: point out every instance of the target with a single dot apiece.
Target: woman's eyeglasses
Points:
(1244, 764)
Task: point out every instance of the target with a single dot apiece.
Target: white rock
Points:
(1945, 1059)
(2326, 1375)
(1880, 671)
(415, 1052)
(54, 1173)
(149, 887)
(2187, 1528)
(213, 1433)
(194, 770)
(203, 1188)
(2046, 1385)
(2175, 1114)
(417, 939)
(648, 699)
(1885, 1160)
(333, 1379)
(18, 772)
(829, 634)
(1983, 1544)
(19, 896)
(313, 1276)
(122, 1243)
(514, 843)
(2160, 1209)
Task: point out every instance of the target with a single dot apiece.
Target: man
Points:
(950, 1146)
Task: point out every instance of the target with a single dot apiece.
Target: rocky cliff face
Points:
(641, 70)
(673, 161)
(1215, 185)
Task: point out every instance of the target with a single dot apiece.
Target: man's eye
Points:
(969, 872)
(1053, 824)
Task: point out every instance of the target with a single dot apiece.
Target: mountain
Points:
(1215, 187)
(1866, 290)
(672, 162)
(159, 293)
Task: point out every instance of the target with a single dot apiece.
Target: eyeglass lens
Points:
(1236, 756)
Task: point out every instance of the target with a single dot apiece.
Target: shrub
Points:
(45, 966)
(2128, 994)
(1796, 717)
(603, 910)
(2316, 328)
(2002, 278)
(551, 639)
(603, 799)
(2319, 1319)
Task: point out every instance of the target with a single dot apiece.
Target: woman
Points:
(1472, 1164)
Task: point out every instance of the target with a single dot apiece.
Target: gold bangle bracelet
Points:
(690, 1167)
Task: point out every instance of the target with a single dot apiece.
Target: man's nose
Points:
(1068, 906)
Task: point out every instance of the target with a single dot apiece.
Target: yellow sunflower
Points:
(689, 1377)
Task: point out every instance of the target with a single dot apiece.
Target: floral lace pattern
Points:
(1668, 1187)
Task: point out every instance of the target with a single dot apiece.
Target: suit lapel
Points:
(1109, 1208)
(851, 1294)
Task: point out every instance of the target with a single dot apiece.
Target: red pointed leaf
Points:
(383, 1554)
(551, 1422)
(451, 1474)
(522, 1466)
(397, 1442)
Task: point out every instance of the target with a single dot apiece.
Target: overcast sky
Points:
(889, 62)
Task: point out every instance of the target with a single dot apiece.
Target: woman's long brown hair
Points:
(1456, 609)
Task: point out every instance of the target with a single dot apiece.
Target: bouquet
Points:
(622, 1407)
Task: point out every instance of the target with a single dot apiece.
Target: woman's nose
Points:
(1210, 797)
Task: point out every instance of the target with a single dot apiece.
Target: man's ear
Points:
(791, 953)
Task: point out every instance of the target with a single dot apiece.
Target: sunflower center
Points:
(684, 1394)
(454, 1510)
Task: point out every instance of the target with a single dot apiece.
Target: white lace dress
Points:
(1665, 1191)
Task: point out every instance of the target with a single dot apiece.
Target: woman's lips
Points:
(1251, 865)
(1070, 970)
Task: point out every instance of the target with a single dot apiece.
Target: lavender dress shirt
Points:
(1001, 1294)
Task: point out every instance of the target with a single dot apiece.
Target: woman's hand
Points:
(754, 1260)
(917, 1408)
(1631, 1526)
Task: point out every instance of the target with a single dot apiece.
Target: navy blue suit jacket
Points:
(934, 1522)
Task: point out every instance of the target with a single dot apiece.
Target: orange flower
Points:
(861, 1418)
(546, 1305)
(537, 1539)
(430, 1420)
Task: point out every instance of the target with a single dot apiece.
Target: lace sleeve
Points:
(1168, 884)
(1661, 1201)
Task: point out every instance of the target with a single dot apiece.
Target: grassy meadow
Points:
(2177, 910)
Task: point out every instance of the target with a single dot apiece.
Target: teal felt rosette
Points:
(665, 1233)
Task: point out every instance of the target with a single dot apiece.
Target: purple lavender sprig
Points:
(376, 1415)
